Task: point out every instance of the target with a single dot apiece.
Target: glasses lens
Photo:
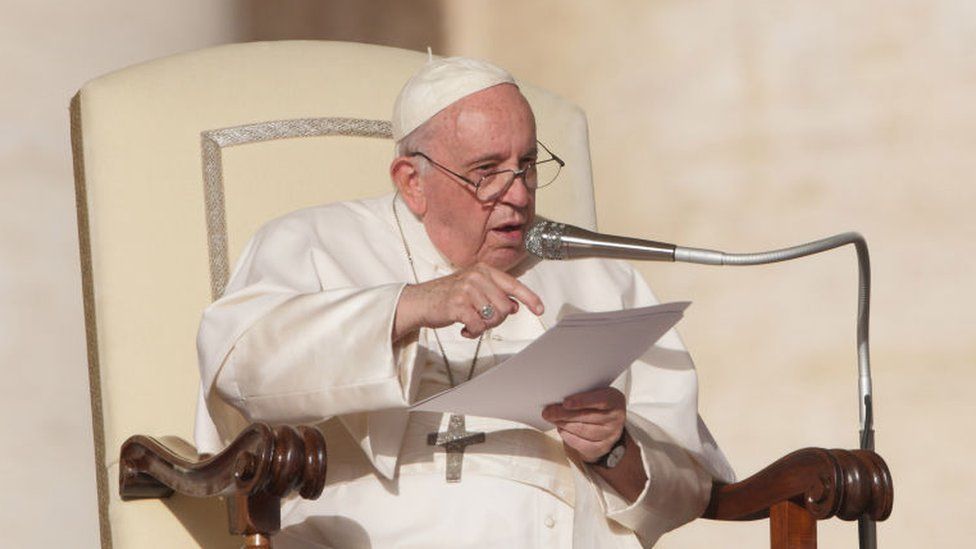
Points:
(494, 185)
(538, 175)
(546, 172)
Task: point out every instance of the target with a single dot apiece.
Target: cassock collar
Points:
(421, 247)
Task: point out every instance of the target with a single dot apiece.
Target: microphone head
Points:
(545, 240)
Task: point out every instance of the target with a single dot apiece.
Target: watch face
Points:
(616, 455)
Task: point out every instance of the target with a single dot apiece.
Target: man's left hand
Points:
(589, 423)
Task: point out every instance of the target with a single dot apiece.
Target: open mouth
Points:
(509, 231)
(509, 228)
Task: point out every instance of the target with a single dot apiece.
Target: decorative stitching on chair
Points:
(212, 143)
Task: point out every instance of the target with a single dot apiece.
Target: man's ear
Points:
(405, 174)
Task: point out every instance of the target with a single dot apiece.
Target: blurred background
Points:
(734, 125)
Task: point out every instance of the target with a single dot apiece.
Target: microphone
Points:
(552, 240)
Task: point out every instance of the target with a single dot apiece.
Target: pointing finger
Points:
(511, 286)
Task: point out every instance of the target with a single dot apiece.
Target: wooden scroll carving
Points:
(825, 483)
(262, 465)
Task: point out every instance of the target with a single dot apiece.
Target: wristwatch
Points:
(610, 459)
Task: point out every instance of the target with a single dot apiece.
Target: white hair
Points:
(414, 142)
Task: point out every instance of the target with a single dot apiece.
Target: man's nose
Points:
(518, 193)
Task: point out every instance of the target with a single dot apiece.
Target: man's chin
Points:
(505, 259)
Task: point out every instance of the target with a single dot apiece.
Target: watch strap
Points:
(603, 461)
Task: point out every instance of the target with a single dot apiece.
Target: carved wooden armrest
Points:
(806, 486)
(262, 465)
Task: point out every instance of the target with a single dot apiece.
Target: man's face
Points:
(487, 131)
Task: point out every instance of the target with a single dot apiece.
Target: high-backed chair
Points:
(177, 162)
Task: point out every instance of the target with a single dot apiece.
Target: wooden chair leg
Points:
(257, 541)
(791, 526)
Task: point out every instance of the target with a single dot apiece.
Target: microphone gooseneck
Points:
(552, 240)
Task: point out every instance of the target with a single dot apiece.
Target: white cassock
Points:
(303, 335)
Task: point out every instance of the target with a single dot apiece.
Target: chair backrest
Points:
(177, 162)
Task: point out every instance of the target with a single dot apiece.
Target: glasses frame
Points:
(515, 173)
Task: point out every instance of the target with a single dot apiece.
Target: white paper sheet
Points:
(580, 353)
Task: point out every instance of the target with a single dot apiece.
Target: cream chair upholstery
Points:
(177, 162)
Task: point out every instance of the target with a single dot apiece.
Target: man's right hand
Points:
(460, 297)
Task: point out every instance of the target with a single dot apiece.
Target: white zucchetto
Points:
(437, 85)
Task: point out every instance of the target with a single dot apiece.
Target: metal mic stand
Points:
(867, 532)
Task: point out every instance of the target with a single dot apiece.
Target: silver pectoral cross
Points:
(454, 441)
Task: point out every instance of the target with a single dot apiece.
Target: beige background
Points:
(735, 125)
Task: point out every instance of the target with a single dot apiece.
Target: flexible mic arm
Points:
(714, 257)
(551, 240)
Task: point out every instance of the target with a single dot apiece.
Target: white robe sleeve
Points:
(280, 347)
(676, 492)
(680, 457)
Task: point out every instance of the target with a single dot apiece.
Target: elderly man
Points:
(343, 315)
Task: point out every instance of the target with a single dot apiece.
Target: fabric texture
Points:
(303, 334)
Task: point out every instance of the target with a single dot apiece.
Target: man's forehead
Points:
(501, 101)
(489, 116)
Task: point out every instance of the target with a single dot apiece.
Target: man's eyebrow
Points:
(495, 158)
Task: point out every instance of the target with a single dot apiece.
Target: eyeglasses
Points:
(491, 185)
